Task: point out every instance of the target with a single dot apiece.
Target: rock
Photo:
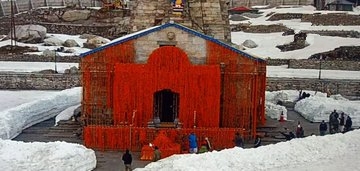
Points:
(288, 32)
(70, 43)
(69, 51)
(87, 36)
(49, 53)
(30, 33)
(53, 41)
(74, 15)
(249, 44)
(95, 42)
(48, 71)
(74, 70)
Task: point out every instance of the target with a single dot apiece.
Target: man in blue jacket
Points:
(193, 143)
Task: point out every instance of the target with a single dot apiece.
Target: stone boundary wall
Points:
(271, 2)
(328, 65)
(315, 64)
(343, 87)
(35, 81)
(26, 5)
(39, 58)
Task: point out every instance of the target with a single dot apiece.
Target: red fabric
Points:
(167, 68)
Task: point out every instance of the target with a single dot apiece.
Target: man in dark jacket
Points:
(238, 140)
(323, 128)
(127, 158)
(348, 124)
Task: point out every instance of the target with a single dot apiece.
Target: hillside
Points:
(333, 35)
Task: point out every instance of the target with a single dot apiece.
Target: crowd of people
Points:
(337, 123)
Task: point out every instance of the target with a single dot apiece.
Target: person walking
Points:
(193, 147)
(323, 128)
(157, 154)
(299, 131)
(127, 158)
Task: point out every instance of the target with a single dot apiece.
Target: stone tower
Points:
(206, 16)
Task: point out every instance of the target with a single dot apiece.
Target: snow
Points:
(267, 42)
(331, 152)
(52, 156)
(14, 120)
(316, 108)
(15, 98)
(32, 107)
(34, 66)
(66, 114)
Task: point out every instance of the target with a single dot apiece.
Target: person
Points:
(208, 145)
(348, 124)
(238, 140)
(203, 147)
(157, 154)
(257, 142)
(193, 143)
(282, 117)
(127, 158)
(288, 136)
(342, 122)
(334, 122)
(323, 128)
(299, 131)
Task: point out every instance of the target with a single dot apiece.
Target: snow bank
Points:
(66, 114)
(331, 150)
(317, 108)
(274, 111)
(288, 95)
(14, 120)
(52, 156)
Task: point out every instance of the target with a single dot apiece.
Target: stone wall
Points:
(193, 46)
(30, 81)
(270, 2)
(206, 16)
(25, 5)
(343, 87)
(38, 58)
(325, 64)
(34, 81)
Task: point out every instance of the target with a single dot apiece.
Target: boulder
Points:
(49, 53)
(70, 43)
(75, 15)
(53, 41)
(69, 51)
(29, 33)
(249, 44)
(95, 42)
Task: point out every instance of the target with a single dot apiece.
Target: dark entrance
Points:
(166, 105)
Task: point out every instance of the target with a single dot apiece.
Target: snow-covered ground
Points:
(331, 153)
(316, 108)
(29, 108)
(39, 156)
(267, 42)
(8, 66)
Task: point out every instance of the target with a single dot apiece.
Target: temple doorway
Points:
(166, 105)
